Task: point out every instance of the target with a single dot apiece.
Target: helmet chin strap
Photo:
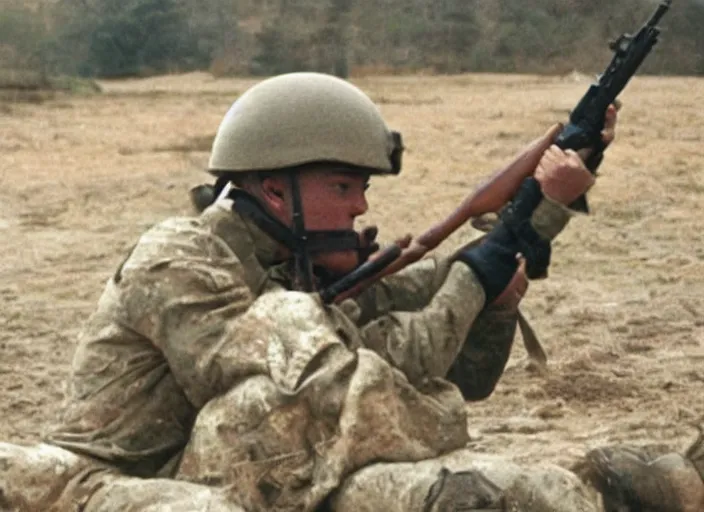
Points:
(303, 268)
(301, 242)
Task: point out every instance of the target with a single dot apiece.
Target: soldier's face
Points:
(331, 200)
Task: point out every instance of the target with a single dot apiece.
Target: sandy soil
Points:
(621, 316)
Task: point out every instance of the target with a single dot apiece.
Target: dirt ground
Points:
(621, 316)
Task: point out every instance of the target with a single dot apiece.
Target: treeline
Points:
(110, 38)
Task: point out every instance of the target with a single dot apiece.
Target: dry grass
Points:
(621, 315)
(21, 86)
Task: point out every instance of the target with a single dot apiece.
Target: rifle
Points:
(587, 119)
(489, 197)
(583, 131)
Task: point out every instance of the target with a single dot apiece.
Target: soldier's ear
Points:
(273, 191)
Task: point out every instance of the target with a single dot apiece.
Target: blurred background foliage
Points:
(120, 38)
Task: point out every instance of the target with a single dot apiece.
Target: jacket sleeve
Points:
(425, 316)
(549, 218)
(410, 289)
(486, 350)
(484, 354)
(421, 328)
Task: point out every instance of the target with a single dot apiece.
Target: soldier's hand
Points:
(562, 175)
(608, 134)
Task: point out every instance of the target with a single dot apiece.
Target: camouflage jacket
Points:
(159, 346)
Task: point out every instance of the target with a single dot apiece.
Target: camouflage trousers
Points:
(458, 480)
(46, 478)
(50, 479)
(270, 463)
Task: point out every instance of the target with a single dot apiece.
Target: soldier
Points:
(204, 381)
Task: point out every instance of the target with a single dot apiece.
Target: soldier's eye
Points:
(342, 187)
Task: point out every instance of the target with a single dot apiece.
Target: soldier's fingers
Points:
(555, 151)
(608, 134)
(612, 113)
(574, 158)
(404, 241)
(539, 171)
(610, 120)
(545, 167)
(584, 154)
(551, 155)
(553, 131)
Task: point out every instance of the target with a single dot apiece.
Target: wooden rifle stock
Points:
(491, 196)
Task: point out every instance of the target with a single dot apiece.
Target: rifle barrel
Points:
(659, 13)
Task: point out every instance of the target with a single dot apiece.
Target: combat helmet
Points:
(286, 123)
(300, 118)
